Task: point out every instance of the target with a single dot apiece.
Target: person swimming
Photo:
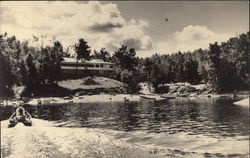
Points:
(20, 115)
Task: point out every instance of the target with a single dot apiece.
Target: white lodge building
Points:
(70, 68)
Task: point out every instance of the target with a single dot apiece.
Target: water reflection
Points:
(213, 117)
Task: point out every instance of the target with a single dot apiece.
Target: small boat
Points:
(147, 98)
(126, 99)
(168, 97)
(81, 97)
(182, 95)
(67, 97)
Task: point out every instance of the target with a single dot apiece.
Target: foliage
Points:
(125, 58)
(224, 67)
(126, 69)
(25, 65)
(128, 78)
(89, 81)
(102, 54)
(82, 50)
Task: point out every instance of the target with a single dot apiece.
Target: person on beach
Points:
(20, 115)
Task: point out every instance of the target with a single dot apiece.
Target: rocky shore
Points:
(244, 102)
(101, 89)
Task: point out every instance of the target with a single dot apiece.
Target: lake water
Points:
(216, 118)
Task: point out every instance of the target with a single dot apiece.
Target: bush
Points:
(89, 81)
(162, 89)
(130, 79)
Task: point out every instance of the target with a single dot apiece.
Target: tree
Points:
(190, 70)
(214, 74)
(147, 67)
(56, 59)
(130, 79)
(32, 77)
(102, 54)
(82, 51)
(6, 78)
(179, 67)
(24, 74)
(156, 78)
(125, 58)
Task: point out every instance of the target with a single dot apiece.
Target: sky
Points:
(162, 27)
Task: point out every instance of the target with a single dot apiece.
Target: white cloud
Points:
(189, 39)
(100, 25)
(130, 34)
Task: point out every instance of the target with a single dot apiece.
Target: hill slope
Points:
(100, 84)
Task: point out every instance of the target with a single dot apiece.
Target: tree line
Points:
(28, 66)
(223, 67)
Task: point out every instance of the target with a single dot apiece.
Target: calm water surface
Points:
(208, 116)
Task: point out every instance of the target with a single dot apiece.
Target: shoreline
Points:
(243, 102)
(121, 98)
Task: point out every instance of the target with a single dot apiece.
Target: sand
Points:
(90, 99)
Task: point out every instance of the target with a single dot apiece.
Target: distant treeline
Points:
(223, 67)
(27, 66)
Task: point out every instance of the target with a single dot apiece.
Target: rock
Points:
(244, 102)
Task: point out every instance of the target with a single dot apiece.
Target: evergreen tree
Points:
(102, 54)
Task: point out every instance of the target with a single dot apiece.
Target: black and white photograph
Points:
(124, 79)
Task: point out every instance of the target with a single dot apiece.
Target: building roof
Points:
(69, 60)
(93, 61)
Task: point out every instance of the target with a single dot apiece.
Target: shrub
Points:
(89, 81)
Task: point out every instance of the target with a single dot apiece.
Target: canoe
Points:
(182, 95)
(147, 98)
(168, 97)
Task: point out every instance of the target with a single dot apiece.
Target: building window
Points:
(89, 65)
(101, 65)
(97, 65)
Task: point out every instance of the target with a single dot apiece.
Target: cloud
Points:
(196, 34)
(104, 17)
(107, 27)
(130, 34)
(101, 25)
(190, 38)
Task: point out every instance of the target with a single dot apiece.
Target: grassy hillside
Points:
(97, 85)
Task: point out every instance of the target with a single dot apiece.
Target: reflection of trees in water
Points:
(128, 116)
(185, 110)
(81, 113)
(208, 116)
(163, 115)
(6, 112)
(51, 112)
(228, 118)
(153, 115)
(94, 115)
